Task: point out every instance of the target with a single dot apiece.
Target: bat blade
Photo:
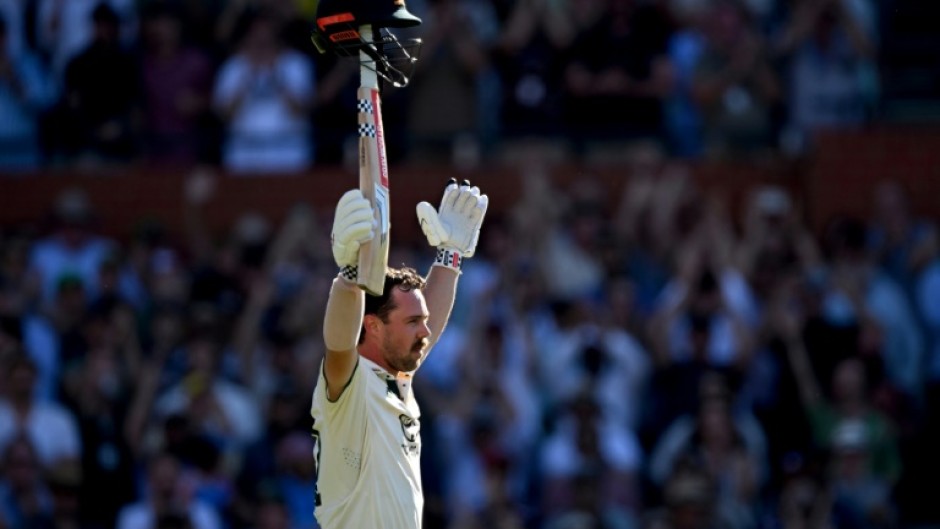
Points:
(373, 179)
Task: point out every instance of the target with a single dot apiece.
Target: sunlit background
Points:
(707, 292)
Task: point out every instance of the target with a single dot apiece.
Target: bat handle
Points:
(367, 64)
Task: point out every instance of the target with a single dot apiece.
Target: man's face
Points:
(404, 336)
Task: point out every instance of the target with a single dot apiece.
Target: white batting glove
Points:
(353, 225)
(454, 228)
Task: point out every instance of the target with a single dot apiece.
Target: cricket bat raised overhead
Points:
(373, 173)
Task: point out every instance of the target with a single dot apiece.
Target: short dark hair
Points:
(405, 279)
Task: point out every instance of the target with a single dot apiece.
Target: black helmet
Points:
(338, 30)
(378, 13)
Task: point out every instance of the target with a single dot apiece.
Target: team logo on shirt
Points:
(412, 429)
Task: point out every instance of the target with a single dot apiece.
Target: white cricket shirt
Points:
(368, 447)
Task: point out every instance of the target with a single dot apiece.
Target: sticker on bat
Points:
(381, 203)
(380, 138)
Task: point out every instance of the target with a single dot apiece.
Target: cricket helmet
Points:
(338, 30)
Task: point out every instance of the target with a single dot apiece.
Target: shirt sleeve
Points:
(296, 73)
(227, 84)
(339, 429)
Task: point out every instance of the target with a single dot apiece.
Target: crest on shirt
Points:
(412, 429)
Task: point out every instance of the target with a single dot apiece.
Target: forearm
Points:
(246, 335)
(454, 230)
(341, 327)
(344, 313)
(439, 293)
(807, 385)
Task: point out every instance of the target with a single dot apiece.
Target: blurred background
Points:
(707, 293)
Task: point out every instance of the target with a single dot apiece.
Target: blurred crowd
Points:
(238, 83)
(655, 363)
(659, 360)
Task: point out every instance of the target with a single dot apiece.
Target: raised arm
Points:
(439, 294)
(352, 225)
(789, 325)
(454, 230)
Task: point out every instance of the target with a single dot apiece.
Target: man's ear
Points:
(372, 323)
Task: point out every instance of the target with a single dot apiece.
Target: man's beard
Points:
(404, 362)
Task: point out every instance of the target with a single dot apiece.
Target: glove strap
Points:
(449, 258)
(349, 272)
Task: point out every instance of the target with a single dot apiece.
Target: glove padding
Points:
(456, 224)
(353, 225)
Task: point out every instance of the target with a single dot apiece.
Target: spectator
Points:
(618, 74)
(646, 225)
(699, 328)
(699, 323)
(296, 477)
(101, 93)
(682, 117)
(97, 387)
(221, 410)
(268, 335)
(735, 85)
(775, 242)
(492, 419)
(902, 244)
(529, 59)
(590, 456)
(831, 45)
(64, 28)
(566, 233)
(688, 503)
(857, 293)
(258, 471)
(72, 248)
(609, 361)
(177, 80)
(207, 475)
(50, 428)
(860, 497)
(25, 93)
(455, 65)
(850, 400)
(730, 449)
(165, 496)
(263, 93)
(25, 500)
(803, 500)
(22, 328)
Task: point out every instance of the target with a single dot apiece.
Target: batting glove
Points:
(353, 225)
(454, 228)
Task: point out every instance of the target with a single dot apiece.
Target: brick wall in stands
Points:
(838, 179)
